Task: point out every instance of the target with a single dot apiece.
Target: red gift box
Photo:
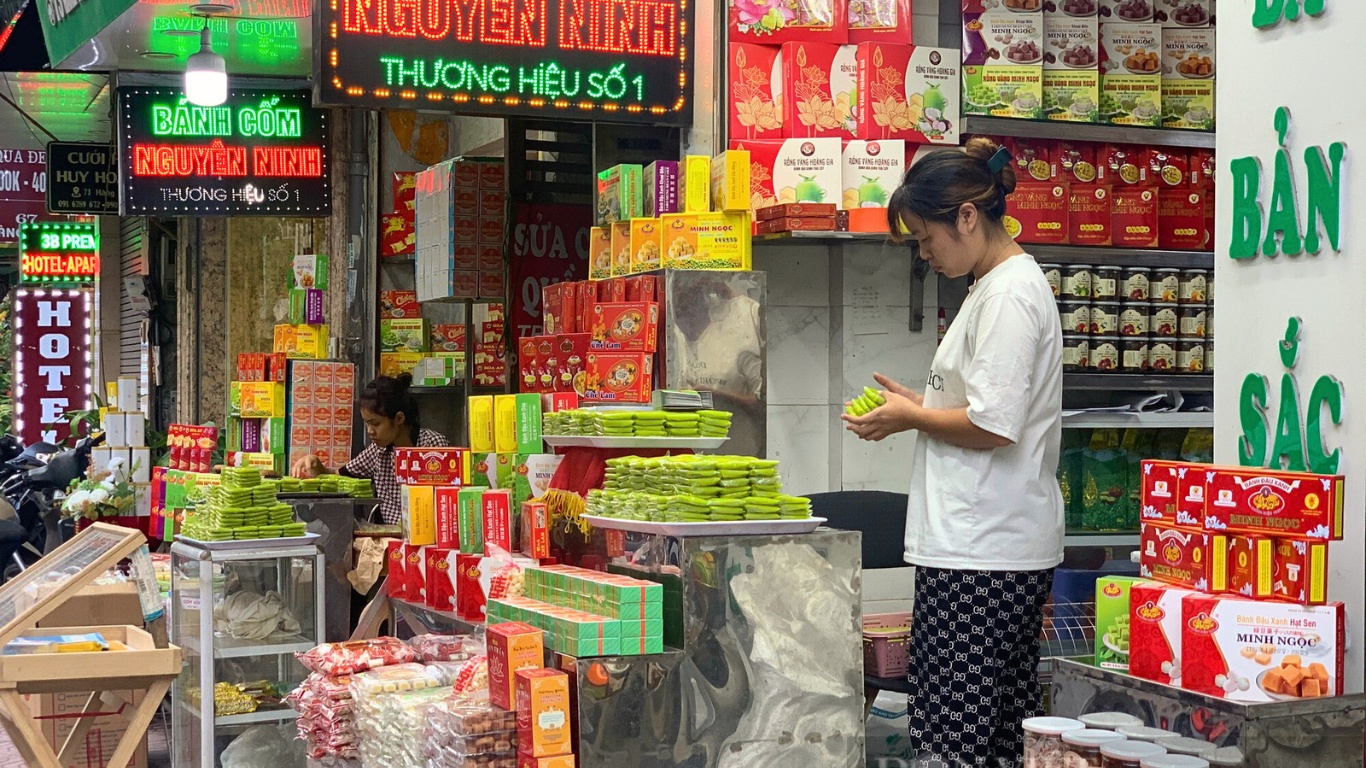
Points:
(398, 236)
(1133, 219)
(629, 327)
(398, 581)
(528, 366)
(1174, 555)
(1242, 565)
(1181, 219)
(619, 377)
(1038, 212)
(465, 173)
(1300, 571)
(1155, 632)
(822, 21)
(1281, 504)
(470, 601)
(755, 92)
(641, 288)
(448, 517)
(415, 574)
(819, 90)
(432, 466)
(405, 190)
(440, 578)
(535, 530)
(497, 521)
(1089, 217)
(1173, 493)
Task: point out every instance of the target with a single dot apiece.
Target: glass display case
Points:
(240, 613)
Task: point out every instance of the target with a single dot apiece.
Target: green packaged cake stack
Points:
(682, 423)
(614, 424)
(713, 423)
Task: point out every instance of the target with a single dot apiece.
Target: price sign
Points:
(82, 178)
(608, 60)
(261, 153)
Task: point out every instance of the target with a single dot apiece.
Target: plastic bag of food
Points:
(500, 575)
(431, 648)
(473, 676)
(261, 745)
(349, 658)
(393, 679)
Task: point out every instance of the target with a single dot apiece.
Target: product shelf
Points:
(250, 718)
(1101, 539)
(1119, 257)
(1138, 382)
(658, 443)
(1123, 419)
(1118, 134)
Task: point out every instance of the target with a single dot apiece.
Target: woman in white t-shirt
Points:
(984, 526)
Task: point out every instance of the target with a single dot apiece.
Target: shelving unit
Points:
(1128, 419)
(1138, 382)
(201, 581)
(1101, 539)
(1118, 134)
(1120, 257)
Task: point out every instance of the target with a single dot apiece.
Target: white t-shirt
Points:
(1001, 509)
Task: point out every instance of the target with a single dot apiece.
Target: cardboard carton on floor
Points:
(56, 715)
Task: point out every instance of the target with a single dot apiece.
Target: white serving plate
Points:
(684, 530)
(657, 443)
(228, 546)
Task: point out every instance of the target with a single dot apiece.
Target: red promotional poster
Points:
(52, 344)
(549, 245)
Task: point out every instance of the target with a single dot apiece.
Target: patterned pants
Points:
(974, 660)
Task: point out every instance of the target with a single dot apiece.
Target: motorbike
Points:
(30, 514)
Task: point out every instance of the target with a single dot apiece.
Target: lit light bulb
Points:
(206, 74)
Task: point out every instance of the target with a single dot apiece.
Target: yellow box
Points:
(694, 184)
(730, 181)
(481, 424)
(505, 423)
(719, 241)
(262, 399)
(394, 363)
(621, 248)
(647, 245)
(599, 253)
(302, 342)
(419, 515)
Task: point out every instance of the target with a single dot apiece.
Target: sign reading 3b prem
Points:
(262, 152)
(612, 60)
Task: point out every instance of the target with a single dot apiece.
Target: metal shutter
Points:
(134, 325)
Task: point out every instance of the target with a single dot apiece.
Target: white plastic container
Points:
(1174, 761)
(1043, 745)
(1082, 748)
(1183, 745)
(1128, 754)
(1109, 721)
(1144, 733)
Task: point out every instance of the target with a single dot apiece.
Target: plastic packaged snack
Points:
(473, 676)
(349, 658)
(431, 648)
(471, 716)
(395, 679)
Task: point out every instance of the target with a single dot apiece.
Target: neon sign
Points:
(614, 60)
(58, 253)
(263, 152)
(53, 359)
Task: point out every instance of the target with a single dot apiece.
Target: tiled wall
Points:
(836, 315)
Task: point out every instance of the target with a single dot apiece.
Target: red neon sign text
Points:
(637, 27)
(218, 159)
(59, 264)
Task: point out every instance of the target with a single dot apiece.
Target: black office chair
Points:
(880, 516)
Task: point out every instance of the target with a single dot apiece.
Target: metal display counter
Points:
(1291, 734)
(765, 668)
(333, 516)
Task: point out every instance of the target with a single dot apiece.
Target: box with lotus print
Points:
(1281, 504)
(819, 83)
(908, 92)
(1173, 555)
(778, 21)
(791, 171)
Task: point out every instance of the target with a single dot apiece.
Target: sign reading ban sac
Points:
(262, 152)
(613, 60)
(52, 345)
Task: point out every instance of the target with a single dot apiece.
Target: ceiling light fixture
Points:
(206, 74)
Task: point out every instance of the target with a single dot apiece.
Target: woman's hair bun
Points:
(404, 380)
(984, 149)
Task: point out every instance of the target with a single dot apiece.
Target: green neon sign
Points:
(547, 80)
(266, 119)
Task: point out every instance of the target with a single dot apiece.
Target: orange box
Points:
(535, 529)
(542, 712)
(1133, 217)
(756, 92)
(557, 761)
(1301, 571)
(621, 248)
(1037, 213)
(512, 648)
(619, 377)
(599, 253)
(628, 326)
(820, 89)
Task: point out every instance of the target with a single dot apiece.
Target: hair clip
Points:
(999, 161)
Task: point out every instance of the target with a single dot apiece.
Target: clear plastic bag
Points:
(349, 658)
(395, 679)
(261, 745)
(431, 648)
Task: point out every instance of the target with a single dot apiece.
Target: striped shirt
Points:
(377, 464)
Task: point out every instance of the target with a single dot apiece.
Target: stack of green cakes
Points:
(619, 423)
(695, 489)
(241, 507)
(356, 487)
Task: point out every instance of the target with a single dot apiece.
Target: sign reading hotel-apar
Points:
(261, 153)
(82, 178)
(607, 60)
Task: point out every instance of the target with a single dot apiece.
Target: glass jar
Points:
(1108, 721)
(1134, 354)
(1128, 754)
(1191, 321)
(1166, 285)
(1190, 355)
(1076, 353)
(1209, 354)
(1082, 748)
(1144, 733)
(1053, 274)
(1135, 319)
(1076, 316)
(1173, 761)
(1105, 318)
(1105, 283)
(1194, 287)
(1209, 289)
(1162, 356)
(1165, 320)
(1105, 351)
(1077, 282)
(1135, 283)
(1184, 745)
(1043, 747)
